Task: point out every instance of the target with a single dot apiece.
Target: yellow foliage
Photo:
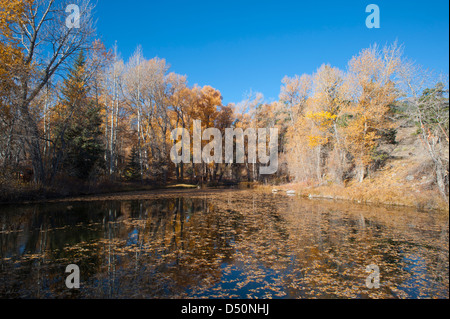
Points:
(315, 141)
(11, 55)
(322, 119)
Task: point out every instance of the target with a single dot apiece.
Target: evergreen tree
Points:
(85, 143)
(132, 171)
(82, 134)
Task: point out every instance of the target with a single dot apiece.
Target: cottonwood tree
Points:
(224, 120)
(114, 107)
(157, 101)
(157, 113)
(371, 91)
(184, 101)
(11, 56)
(294, 97)
(133, 82)
(323, 111)
(294, 94)
(178, 99)
(48, 46)
(314, 132)
(427, 97)
(206, 109)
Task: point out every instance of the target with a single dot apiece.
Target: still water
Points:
(232, 244)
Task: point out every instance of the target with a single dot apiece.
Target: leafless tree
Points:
(427, 98)
(49, 45)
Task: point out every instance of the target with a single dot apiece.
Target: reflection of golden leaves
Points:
(251, 245)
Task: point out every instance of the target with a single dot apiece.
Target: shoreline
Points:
(167, 191)
(425, 202)
(361, 194)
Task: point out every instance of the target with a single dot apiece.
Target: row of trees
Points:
(37, 47)
(334, 123)
(339, 120)
(71, 108)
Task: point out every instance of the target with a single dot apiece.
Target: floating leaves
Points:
(233, 245)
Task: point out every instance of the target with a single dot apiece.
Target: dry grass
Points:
(371, 194)
(406, 179)
(182, 186)
(401, 183)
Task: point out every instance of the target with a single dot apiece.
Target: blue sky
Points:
(238, 46)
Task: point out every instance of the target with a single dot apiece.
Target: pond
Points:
(223, 244)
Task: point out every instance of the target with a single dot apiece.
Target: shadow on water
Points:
(233, 245)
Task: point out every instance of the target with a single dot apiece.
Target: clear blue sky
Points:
(238, 46)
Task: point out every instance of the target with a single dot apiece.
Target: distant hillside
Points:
(406, 178)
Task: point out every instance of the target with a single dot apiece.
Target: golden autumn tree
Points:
(294, 97)
(312, 134)
(184, 101)
(247, 115)
(371, 92)
(225, 119)
(46, 49)
(11, 56)
(206, 109)
(322, 112)
(10, 52)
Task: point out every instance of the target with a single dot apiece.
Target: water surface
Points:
(238, 244)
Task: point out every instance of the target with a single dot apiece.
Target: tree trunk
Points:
(440, 179)
(182, 171)
(360, 173)
(177, 172)
(33, 141)
(318, 167)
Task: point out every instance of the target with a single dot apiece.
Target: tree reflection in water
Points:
(233, 245)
